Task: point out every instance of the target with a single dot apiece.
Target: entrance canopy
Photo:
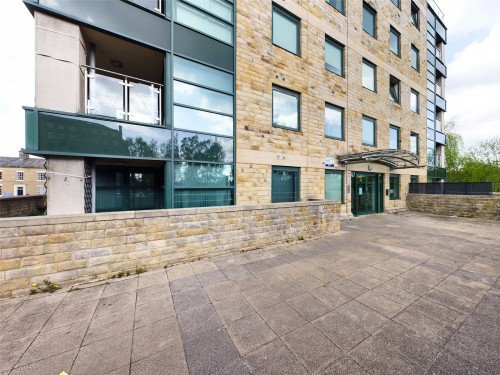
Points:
(395, 159)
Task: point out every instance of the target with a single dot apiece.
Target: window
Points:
(20, 176)
(414, 143)
(413, 179)
(202, 98)
(40, 190)
(19, 190)
(0, 189)
(286, 105)
(286, 30)
(397, 3)
(191, 71)
(395, 41)
(220, 8)
(285, 184)
(394, 186)
(334, 121)
(414, 101)
(415, 60)
(1, 175)
(415, 15)
(369, 125)
(337, 4)
(40, 176)
(334, 186)
(203, 22)
(394, 137)
(334, 57)
(369, 20)
(395, 89)
(369, 72)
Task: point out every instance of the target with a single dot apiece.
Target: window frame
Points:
(342, 11)
(19, 173)
(371, 65)
(413, 48)
(291, 17)
(392, 195)
(413, 134)
(414, 8)
(342, 184)
(398, 140)
(341, 47)
(417, 95)
(395, 81)
(342, 112)
(374, 122)
(396, 33)
(41, 173)
(289, 169)
(373, 12)
(286, 91)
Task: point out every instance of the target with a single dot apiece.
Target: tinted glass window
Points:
(286, 30)
(395, 42)
(285, 108)
(369, 20)
(191, 71)
(220, 8)
(334, 57)
(368, 79)
(203, 175)
(394, 137)
(368, 131)
(414, 58)
(202, 98)
(192, 119)
(334, 186)
(337, 4)
(285, 184)
(334, 121)
(202, 147)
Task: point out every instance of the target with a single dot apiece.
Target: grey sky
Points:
(472, 57)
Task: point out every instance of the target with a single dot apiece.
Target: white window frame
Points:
(17, 175)
(38, 173)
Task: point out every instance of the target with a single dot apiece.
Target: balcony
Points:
(441, 68)
(440, 138)
(440, 103)
(114, 95)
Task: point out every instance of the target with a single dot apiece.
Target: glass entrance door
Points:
(366, 193)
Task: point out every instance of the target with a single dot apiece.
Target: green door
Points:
(367, 193)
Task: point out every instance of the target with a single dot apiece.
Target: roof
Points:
(394, 159)
(11, 162)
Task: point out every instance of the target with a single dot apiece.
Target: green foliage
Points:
(480, 163)
(47, 287)
(139, 270)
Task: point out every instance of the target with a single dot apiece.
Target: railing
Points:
(436, 8)
(155, 5)
(115, 95)
(456, 188)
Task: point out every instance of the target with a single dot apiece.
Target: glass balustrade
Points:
(122, 97)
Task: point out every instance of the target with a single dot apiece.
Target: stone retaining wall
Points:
(477, 206)
(79, 248)
(26, 205)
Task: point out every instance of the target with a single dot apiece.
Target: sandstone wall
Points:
(25, 205)
(79, 248)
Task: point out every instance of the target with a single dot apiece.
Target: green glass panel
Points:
(334, 186)
(198, 175)
(92, 136)
(191, 71)
(220, 8)
(187, 198)
(199, 97)
(285, 31)
(201, 147)
(197, 120)
(394, 187)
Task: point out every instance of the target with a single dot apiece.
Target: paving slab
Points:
(250, 333)
(273, 359)
(282, 319)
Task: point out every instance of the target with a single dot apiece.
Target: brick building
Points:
(209, 103)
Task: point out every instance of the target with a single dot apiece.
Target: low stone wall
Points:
(26, 205)
(477, 206)
(72, 249)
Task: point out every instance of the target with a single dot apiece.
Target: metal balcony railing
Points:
(115, 95)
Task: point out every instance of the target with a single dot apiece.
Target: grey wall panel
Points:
(118, 17)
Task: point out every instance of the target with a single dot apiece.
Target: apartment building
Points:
(21, 176)
(151, 104)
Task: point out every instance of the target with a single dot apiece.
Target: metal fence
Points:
(457, 188)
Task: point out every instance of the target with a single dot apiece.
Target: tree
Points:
(452, 152)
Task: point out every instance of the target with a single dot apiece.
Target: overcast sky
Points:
(472, 57)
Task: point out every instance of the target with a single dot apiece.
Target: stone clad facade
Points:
(261, 64)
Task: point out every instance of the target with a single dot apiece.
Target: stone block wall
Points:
(26, 205)
(474, 206)
(80, 248)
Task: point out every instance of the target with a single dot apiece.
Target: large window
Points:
(199, 20)
(414, 101)
(415, 15)
(414, 58)
(337, 4)
(334, 121)
(334, 185)
(334, 57)
(369, 130)
(286, 30)
(285, 185)
(394, 137)
(369, 72)
(395, 41)
(394, 186)
(395, 89)
(414, 143)
(286, 107)
(369, 20)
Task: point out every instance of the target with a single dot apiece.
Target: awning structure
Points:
(394, 159)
